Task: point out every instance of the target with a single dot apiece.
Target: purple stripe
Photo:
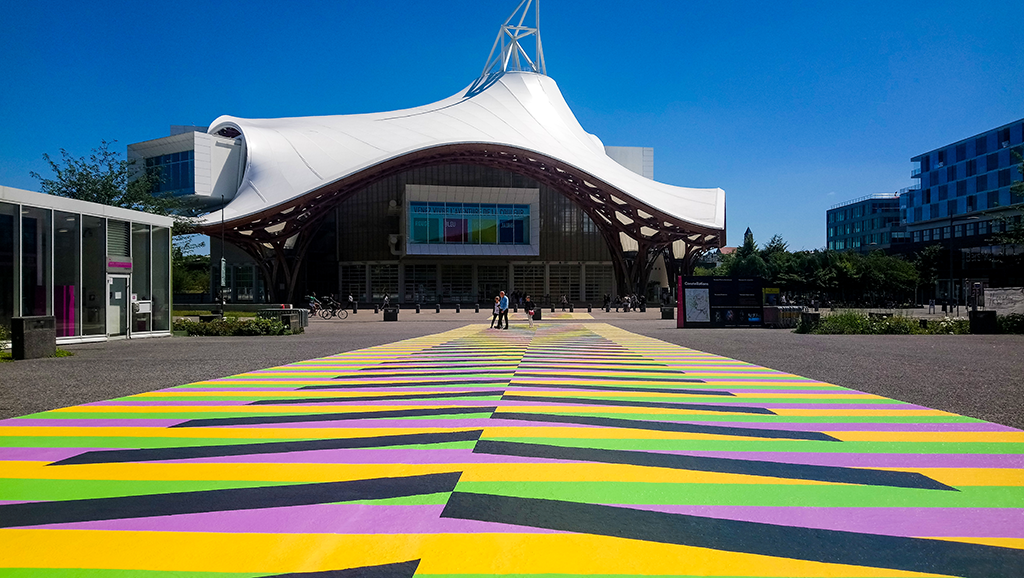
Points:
(42, 454)
(141, 422)
(168, 401)
(922, 522)
(1011, 461)
(726, 404)
(315, 519)
(370, 456)
(404, 423)
(894, 427)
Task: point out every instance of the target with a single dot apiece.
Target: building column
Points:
(547, 278)
(583, 282)
(438, 283)
(474, 283)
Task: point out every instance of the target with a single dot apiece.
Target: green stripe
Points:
(777, 445)
(39, 490)
(776, 495)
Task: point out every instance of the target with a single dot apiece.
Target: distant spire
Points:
(508, 53)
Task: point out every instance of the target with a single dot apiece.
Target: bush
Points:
(897, 326)
(1011, 323)
(231, 327)
(950, 326)
(5, 333)
(844, 323)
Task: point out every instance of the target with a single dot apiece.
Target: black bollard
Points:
(570, 308)
(552, 308)
(477, 307)
(458, 308)
(437, 308)
(376, 308)
(590, 309)
(355, 307)
(417, 308)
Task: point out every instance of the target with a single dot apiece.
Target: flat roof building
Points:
(102, 272)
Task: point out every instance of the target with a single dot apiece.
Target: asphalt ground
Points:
(980, 376)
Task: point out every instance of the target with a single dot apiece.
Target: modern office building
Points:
(865, 224)
(497, 187)
(103, 272)
(963, 200)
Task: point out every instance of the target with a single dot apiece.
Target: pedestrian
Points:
(528, 306)
(565, 301)
(496, 312)
(503, 310)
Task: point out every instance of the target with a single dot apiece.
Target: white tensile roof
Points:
(290, 157)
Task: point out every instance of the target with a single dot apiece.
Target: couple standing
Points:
(501, 310)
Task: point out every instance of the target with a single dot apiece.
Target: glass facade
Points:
(36, 244)
(456, 233)
(56, 261)
(9, 260)
(173, 173)
(67, 273)
(469, 223)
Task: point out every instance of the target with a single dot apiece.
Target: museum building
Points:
(496, 188)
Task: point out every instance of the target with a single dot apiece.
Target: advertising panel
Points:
(720, 302)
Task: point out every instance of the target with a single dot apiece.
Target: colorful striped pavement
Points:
(567, 450)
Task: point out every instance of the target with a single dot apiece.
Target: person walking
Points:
(496, 312)
(528, 306)
(503, 310)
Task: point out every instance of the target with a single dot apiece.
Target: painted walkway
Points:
(573, 449)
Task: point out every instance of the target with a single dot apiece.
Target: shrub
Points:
(896, 326)
(5, 333)
(950, 326)
(231, 327)
(1011, 323)
(844, 323)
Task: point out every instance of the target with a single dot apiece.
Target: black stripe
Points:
(398, 413)
(396, 570)
(149, 505)
(861, 476)
(303, 400)
(827, 546)
(617, 388)
(667, 426)
(647, 404)
(184, 453)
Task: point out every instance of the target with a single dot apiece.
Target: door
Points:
(117, 305)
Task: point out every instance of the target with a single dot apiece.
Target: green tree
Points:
(929, 261)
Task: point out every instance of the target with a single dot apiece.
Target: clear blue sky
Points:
(790, 107)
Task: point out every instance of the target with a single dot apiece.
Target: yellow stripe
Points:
(913, 436)
(439, 554)
(313, 472)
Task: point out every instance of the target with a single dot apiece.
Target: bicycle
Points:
(332, 308)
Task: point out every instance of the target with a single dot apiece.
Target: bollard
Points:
(417, 308)
(458, 308)
(570, 308)
(376, 308)
(355, 307)
(589, 308)
(552, 308)
(607, 309)
(437, 308)
(515, 308)
(477, 307)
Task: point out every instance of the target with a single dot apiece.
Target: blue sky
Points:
(790, 107)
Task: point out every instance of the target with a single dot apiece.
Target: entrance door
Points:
(117, 305)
